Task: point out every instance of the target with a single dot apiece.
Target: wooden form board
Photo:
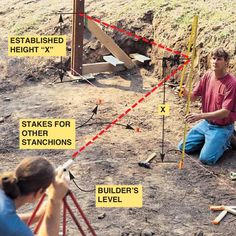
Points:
(109, 43)
(101, 67)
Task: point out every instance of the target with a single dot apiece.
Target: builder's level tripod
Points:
(66, 208)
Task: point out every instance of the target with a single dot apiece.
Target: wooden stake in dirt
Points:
(192, 40)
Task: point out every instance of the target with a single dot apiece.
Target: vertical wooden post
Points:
(77, 38)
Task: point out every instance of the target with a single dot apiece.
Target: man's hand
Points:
(183, 92)
(193, 117)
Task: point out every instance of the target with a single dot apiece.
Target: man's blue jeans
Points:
(212, 140)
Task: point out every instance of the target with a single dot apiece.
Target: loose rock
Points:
(6, 99)
(216, 27)
(147, 232)
(102, 216)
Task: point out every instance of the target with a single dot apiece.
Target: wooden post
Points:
(77, 38)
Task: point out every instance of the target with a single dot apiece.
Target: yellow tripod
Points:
(191, 47)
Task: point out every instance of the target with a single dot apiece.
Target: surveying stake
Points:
(191, 46)
(164, 108)
(164, 66)
(61, 72)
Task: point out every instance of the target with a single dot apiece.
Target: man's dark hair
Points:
(220, 52)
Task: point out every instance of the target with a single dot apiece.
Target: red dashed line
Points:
(173, 72)
(184, 56)
(135, 36)
(145, 40)
(169, 50)
(104, 23)
(167, 78)
(162, 82)
(108, 127)
(87, 144)
(121, 30)
(153, 43)
(89, 17)
(154, 89)
(81, 149)
(101, 132)
(161, 46)
(129, 33)
(113, 27)
(114, 121)
(94, 138)
(141, 99)
(135, 104)
(127, 111)
(98, 21)
(74, 155)
(177, 52)
(147, 94)
(121, 116)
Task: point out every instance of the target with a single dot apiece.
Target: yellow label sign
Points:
(119, 196)
(164, 109)
(47, 134)
(46, 46)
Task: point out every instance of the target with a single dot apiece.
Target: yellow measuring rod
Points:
(192, 38)
(191, 45)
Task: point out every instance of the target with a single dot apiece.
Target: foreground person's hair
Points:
(31, 175)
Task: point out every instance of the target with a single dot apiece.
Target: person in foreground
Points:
(31, 178)
(217, 89)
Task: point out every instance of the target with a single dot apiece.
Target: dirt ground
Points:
(175, 202)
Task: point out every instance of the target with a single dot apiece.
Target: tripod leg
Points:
(82, 213)
(36, 210)
(74, 218)
(64, 220)
(38, 225)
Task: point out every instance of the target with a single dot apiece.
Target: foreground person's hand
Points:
(58, 189)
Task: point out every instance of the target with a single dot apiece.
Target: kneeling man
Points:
(217, 89)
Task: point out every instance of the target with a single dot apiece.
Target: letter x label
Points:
(164, 109)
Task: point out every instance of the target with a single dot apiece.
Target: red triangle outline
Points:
(108, 127)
